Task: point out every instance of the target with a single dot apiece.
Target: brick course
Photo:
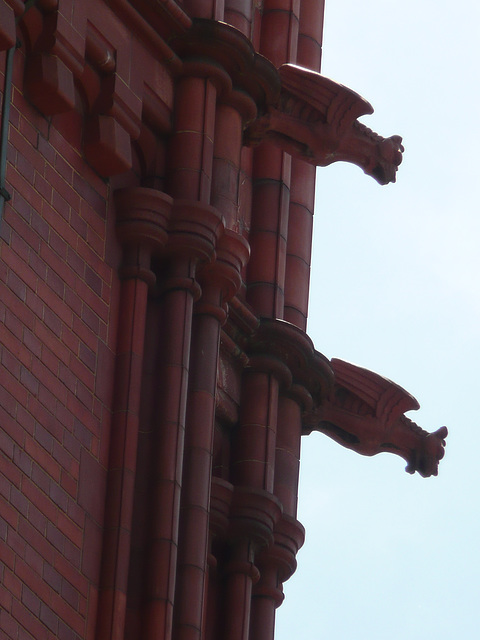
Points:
(56, 305)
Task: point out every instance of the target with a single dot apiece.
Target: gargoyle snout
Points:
(392, 149)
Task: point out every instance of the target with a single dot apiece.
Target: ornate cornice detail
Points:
(244, 78)
(254, 514)
(365, 412)
(293, 348)
(194, 230)
(86, 64)
(143, 216)
(232, 253)
(142, 228)
(88, 59)
(315, 119)
(289, 536)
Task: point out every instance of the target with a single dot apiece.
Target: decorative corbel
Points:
(365, 412)
(315, 119)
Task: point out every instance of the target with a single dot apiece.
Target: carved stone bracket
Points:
(365, 412)
(244, 78)
(293, 348)
(254, 514)
(289, 536)
(315, 119)
(117, 85)
(142, 227)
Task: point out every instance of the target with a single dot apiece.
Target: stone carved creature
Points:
(365, 413)
(315, 118)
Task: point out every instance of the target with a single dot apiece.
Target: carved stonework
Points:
(315, 119)
(365, 413)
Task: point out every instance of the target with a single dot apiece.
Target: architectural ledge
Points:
(365, 413)
(315, 118)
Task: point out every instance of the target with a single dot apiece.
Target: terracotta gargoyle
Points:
(315, 118)
(365, 413)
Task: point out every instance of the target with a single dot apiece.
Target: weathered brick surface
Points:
(56, 306)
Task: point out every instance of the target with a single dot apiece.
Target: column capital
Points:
(254, 514)
(142, 221)
(232, 252)
(289, 536)
(244, 78)
(292, 347)
(143, 216)
(194, 230)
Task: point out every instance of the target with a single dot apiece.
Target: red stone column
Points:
(194, 233)
(254, 446)
(253, 516)
(220, 281)
(287, 455)
(272, 177)
(277, 563)
(302, 192)
(307, 372)
(240, 14)
(220, 503)
(255, 510)
(191, 148)
(142, 218)
(279, 37)
(267, 596)
(299, 243)
(268, 234)
(209, 9)
(226, 164)
(310, 35)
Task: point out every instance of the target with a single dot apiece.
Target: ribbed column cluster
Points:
(211, 383)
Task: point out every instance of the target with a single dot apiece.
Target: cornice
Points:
(293, 348)
(253, 81)
(117, 62)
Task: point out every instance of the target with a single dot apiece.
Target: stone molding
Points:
(84, 63)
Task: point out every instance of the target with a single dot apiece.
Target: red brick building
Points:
(156, 196)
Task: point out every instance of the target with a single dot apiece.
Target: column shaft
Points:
(177, 306)
(194, 517)
(254, 453)
(122, 465)
(287, 455)
(191, 149)
(302, 193)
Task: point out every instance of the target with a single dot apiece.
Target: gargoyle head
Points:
(316, 119)
(385, 163)
(425, 458)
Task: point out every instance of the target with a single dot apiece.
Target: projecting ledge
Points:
(315, 119)
(365, 412)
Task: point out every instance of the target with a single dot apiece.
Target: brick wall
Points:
(58, 296)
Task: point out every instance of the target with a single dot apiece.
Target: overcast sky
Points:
(395, 288)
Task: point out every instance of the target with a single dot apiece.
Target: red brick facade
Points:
(154, 270)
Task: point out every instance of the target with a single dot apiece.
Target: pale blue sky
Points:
(395, 288)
